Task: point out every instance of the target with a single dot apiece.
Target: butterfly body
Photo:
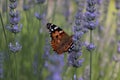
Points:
(60, 41)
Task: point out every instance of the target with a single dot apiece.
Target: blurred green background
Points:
(30, 64)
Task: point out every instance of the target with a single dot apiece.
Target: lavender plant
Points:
(115, 57)
(14, 27)
(41, 14)
(90, 24)
(76, 52)
(27, 4)
(53, 63)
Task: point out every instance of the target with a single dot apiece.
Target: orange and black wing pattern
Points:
(60, 41)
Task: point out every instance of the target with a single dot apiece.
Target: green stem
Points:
(3, 28)
(90, 56)
(15, 62)
(74, 73)
(7, 11)
(113, 71)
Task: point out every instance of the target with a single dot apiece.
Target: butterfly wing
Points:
(61, 41)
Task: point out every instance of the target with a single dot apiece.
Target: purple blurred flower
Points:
(13, 5)
(80, 78)
(91, 3)
(79, 17)
(15, 47)
(118, 47)
(66, 9)
(40, 1)
(15, 28)
(91, 9)
(74, 61)
(26, 7)
(54, 76)
(117, 4)
(38, 16)
(41, 17)
(90, 47)
(90, 15)
(14, 20)
(75, 53)
(14, 17)
(91, 25)
(115, 58)
(54, 63)
(12, 0)
(77, 35)
(57, 76)
(99, 2)
(14, 14)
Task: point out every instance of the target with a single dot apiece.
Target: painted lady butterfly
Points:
(60, 41)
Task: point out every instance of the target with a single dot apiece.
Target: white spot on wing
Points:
(52, 30)
(55, 28)
(60, 31)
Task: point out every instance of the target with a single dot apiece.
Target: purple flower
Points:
(14, 20)
(115, 58)
(26, 7)
(15, 28)
(77, 35)
(117, 4)
(38, 16)
(74, 61)
(40, 1)
(57, 76)
(13, 5)
(91, 25)
(99, 2)
(91, 9)
(79, 14)
(66, 9)
(54, 64)
(91, 2)
(90, 47)
(80, 78)
(12, 0)
(75, 52)
(46, 50)
(14, 17)
(13, 13)
(90, 15)
(15, 47)
(54, 76)
(118, 47)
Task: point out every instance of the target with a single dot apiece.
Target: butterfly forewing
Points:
(60, 41)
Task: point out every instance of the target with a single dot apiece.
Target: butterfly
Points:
(60, 41)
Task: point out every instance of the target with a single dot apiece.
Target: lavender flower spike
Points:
(15, 47)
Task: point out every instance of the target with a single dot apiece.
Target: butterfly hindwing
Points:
(60, 41)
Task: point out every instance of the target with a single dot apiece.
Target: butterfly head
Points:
(52, 28)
